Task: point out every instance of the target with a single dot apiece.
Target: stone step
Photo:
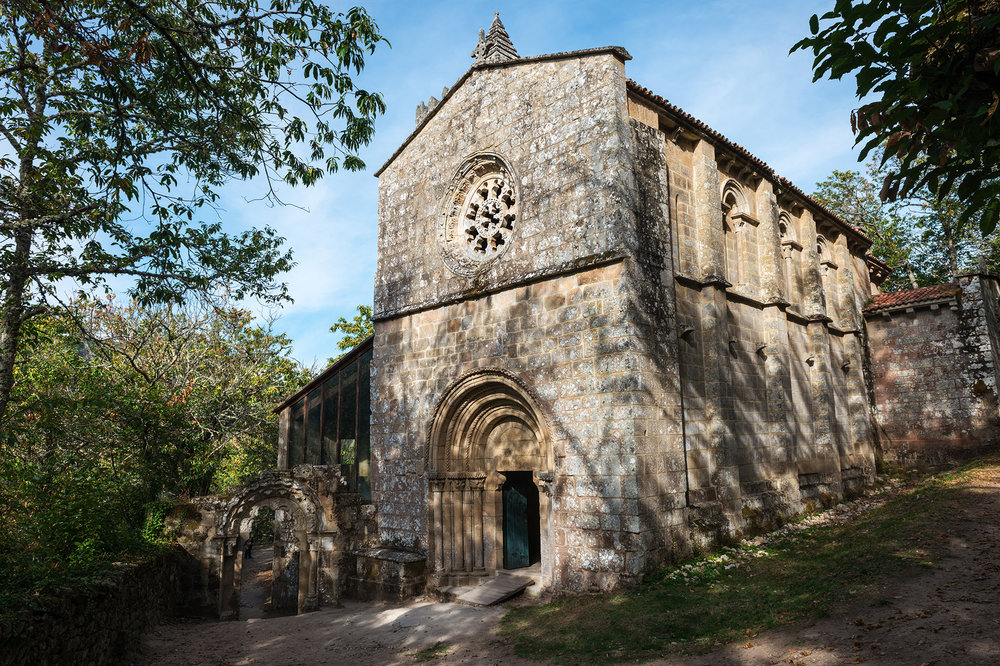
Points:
(495, 590)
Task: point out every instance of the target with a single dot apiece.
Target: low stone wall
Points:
(935, 371)
(384, 574)
(100, 623)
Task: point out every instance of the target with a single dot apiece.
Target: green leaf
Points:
(990, 217)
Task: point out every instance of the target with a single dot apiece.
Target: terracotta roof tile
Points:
(912, 296)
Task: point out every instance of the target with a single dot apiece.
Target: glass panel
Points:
(348, 414)
(315, 408)
(295, 432)
(331, 402)
(364, 423)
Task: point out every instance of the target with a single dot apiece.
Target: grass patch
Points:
(794, 576)
(439, 649)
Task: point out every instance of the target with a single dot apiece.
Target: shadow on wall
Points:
(598, 347)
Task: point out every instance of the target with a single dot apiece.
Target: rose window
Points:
(489, 213)
(479, 220)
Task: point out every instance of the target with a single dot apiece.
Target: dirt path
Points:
(946, 616)
(949, 615)
(359, 633)
(257, 574)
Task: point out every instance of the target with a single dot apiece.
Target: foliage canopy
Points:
(123, 119)
(926, 239)
(354, 332)
(933, 68)
(116, 407)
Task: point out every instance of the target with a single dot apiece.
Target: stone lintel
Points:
(747, 218)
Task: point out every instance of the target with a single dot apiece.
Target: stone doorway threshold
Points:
(494, 590)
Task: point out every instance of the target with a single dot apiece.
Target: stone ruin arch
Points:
(318, 519)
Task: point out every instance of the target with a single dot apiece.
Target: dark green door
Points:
(515, 528)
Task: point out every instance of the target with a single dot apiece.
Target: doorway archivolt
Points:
(487, 439)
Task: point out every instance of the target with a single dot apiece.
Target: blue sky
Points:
(724, 61)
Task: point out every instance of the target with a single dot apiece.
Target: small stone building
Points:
(605, 335)
(935, 358)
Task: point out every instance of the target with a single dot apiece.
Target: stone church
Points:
(605, 336)
(587, 297)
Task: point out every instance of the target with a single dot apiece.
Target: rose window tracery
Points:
(491, 212)
(480, 214)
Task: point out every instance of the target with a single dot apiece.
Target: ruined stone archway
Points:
(487, 427)
(307, 571)
(294, 586)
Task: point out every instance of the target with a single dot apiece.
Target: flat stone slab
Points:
(495, 590)
(391, 555)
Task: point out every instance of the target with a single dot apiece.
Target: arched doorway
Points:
(490, 464)
(318, 522)
(257, 567)
(293, 571)
(300, 524)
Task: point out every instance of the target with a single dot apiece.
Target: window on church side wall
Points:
(732, 250)
(791, 253)
(314, 413)
(331, 409)
(348, 423)
(296, 430)
(739, 229)
(828, 276)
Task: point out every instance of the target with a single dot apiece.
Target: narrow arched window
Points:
(734, 229)
(791, 253)
(828, 276)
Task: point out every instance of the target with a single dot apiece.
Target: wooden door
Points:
(516, 552)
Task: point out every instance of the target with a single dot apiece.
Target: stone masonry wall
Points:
(567, 338)
(690, 392)
(561, 126)
(651, 308)
(935, 376)
(776, 414)
(571, 326)
(100, 623)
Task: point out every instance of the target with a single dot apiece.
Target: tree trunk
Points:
(952, 258)
(911, 276)
(12, 316)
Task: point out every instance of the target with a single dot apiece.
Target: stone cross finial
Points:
(496, 45)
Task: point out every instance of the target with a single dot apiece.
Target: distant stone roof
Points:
(495, 46)
(937, 292)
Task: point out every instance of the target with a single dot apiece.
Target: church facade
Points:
(605, 335)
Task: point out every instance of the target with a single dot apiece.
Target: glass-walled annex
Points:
(329, 419)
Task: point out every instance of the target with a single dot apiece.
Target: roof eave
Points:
(334, 368)
(703, 130)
